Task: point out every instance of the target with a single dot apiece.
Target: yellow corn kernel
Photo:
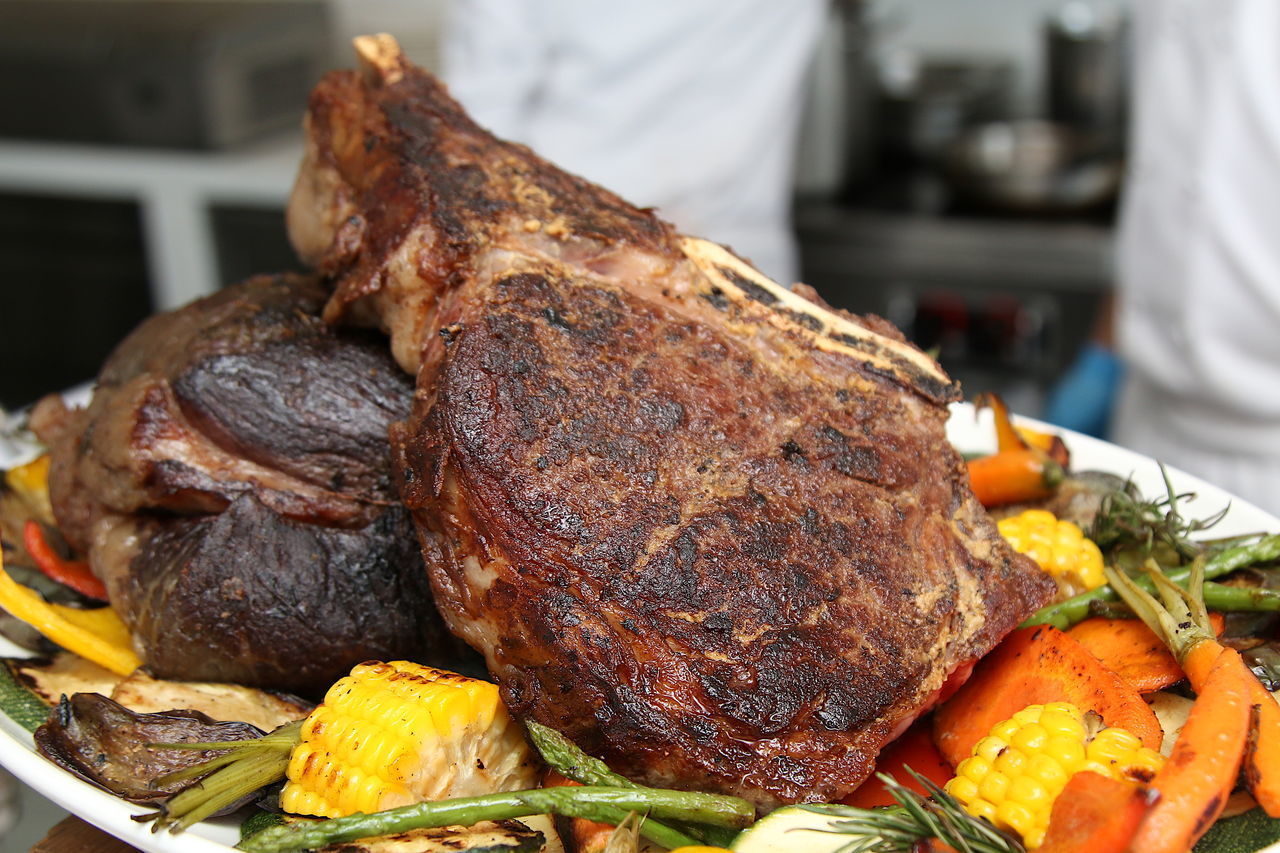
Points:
(1013, 775)
(1059, 547)
(391, 734)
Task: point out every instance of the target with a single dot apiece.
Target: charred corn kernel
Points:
(392, 734)
(1015, 773)
(1059, 547)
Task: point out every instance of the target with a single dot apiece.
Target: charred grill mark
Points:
(792, 452)
(716, 297)
(1207, 816)
(862, 462)
(809, 321)
(555, 318)
(753, 291)
(932, 387)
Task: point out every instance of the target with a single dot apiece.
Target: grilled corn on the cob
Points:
(1059, 547)
(1018, 770)
(391, 734)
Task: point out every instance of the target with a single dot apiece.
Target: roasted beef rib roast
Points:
(706, 526)
(230, 483)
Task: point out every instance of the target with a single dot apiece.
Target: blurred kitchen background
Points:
(958, 170)
(958, 167)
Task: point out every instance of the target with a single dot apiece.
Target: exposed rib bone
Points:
(380, 58)
(881, 355)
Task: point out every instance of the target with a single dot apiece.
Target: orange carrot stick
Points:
(1262, 747)
(1047, 443)
(1186, 628)
(1013, 475)
(1201, 771)
(1007, 435)
(1097, 814)
(1262, 754)
(1033, 666)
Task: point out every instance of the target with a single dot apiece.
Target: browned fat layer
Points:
(889, 358)
(749, 287)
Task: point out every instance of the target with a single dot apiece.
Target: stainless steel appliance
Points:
(1086, 56)
(195, 74)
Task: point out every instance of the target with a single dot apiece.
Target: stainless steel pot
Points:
(1031, 166)
(1087, 57)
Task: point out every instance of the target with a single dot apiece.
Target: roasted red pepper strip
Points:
(72, 573)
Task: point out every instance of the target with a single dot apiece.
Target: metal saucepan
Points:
(1032, 166)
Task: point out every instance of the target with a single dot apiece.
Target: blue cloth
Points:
(1083, 398)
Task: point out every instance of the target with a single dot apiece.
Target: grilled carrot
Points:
(1047, 443)
(1132, 651)
(1262, 747)
(1097, 814)
(1262, 754)
(1038, 665)
(1011, 476)
(1010, 437)
(1232, 712)
(1201, 771)
(1007, 435)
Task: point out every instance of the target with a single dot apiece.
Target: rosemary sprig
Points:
(898, 829)
(1126, 522)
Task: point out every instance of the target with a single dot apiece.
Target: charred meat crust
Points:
(707, 571)
(406, 155)
(253, 597)
(244, 391)
(230, 483)
(714, 549)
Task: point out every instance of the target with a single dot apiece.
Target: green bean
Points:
(563, 755)
(590, 802)
(1217, 596)
(1067, 613)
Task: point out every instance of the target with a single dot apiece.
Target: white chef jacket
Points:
(1199, 244)
(689, 106)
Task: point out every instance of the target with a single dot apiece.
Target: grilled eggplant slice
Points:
(103, 742)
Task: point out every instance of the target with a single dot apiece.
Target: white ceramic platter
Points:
(969, 432)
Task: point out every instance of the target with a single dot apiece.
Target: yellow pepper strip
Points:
(96, 635)
(30, 482)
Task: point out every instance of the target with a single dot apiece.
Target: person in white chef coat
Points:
(1198, 255)
(688, 106)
